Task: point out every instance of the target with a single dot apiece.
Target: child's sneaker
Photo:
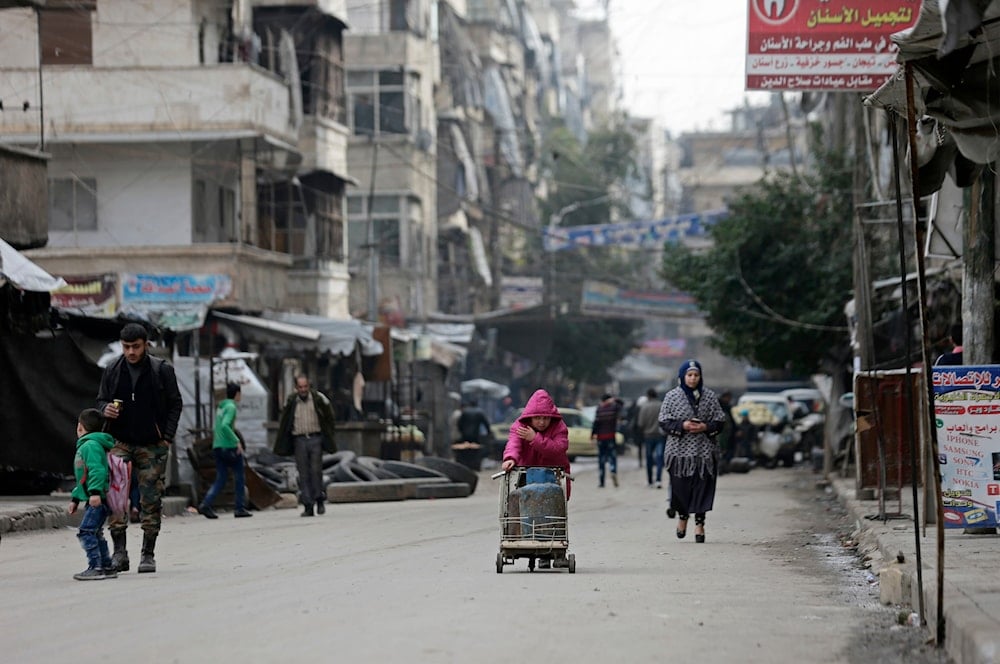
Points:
(90, 574)
(110, 573)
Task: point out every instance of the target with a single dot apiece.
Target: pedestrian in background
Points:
(603, 431)
(227, 449)
(652, 437)
(635, 434)
(954, 356)
(90, 465)
(727, 437)
(306, 429)
(142, 404)
(691, 417)
(746, 435)
(472, 424)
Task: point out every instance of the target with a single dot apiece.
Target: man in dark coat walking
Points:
(306, 429)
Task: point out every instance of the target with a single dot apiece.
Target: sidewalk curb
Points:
(49, 512)
(972, 633)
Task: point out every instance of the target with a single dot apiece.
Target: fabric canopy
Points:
(24, 274)
(324, 335)
(337, 337)
(953, 51)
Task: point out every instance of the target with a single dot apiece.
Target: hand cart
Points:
(533, 521)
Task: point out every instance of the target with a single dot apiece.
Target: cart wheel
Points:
(499, 563)
(572, 563)
(531, 564)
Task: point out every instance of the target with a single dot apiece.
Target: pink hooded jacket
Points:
(549, 446)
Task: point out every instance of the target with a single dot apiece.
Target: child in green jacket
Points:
(92, 479)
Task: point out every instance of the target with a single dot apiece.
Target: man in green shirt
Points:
(228, 453)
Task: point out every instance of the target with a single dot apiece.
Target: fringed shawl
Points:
(689, 454)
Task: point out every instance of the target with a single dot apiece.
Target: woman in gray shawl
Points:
(691, 418)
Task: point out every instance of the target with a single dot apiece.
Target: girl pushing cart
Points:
(532, 502)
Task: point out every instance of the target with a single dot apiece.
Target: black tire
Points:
(453, 470)
(345, 472)
(572, 563)
(404, 469)
(331, 460)
(374, 464)
(363, 472)
(499, 563)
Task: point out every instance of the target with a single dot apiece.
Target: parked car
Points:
(578, 424)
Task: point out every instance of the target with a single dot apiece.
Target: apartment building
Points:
(392, 73)
(446, 102)
(188, 137)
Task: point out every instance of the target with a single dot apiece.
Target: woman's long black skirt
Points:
(692, 495)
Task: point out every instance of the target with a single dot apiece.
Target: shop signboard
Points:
(175, 301)
(94, 295)
(824, 46)
(967, 419)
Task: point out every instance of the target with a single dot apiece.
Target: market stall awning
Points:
(266, 327)
(337, 337)
(22, 273)
(954, 51)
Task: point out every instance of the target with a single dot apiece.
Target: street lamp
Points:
(554, 222)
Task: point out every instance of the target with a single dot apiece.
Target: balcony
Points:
(335, 8)
(84, 104)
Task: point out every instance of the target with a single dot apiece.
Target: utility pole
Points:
(372, 244)
(978, 251)
(41, 98)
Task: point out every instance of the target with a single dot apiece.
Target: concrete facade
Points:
(177, 123)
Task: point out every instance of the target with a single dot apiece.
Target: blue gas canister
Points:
(539, 476)
(542, 506)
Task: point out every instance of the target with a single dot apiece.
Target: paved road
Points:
(415, 581)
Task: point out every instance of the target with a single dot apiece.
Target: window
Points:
(73, 204)
(65, 35)
(213, 212)
(281, 220)
(386, 219)
(303, 220)
(383, 102)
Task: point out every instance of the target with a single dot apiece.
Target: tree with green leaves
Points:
(774, 284)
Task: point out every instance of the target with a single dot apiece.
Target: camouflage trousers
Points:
(149, 464)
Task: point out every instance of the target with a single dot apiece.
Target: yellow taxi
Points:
(578, 424)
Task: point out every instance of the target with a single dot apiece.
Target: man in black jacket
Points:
(307, 432)
(140, 400)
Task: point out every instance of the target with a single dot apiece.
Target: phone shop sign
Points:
(967, 418)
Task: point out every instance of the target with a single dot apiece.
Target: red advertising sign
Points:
(822, 45)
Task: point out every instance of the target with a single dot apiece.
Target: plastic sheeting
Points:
(18, 270)
(955, 73)
(46, 382)
(337, 337)
(497, 102)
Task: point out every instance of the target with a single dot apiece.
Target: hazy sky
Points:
(682, 61)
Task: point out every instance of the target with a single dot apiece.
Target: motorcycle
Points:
(778, 443)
